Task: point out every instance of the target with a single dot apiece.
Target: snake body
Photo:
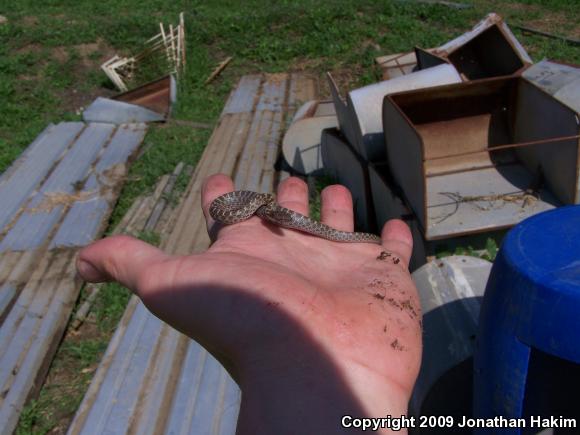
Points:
(237, 206)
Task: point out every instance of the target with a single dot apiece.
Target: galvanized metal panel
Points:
(489, 21)
(365, 106)
(244, 96)
(389, 205)
(498, 52)
(450, 290)
(46, 207)
(560, 80)
(448, 216)
(31, 331)
(25, 174)
(119, 112)
(264, 133)
(200, 397)
(85, 218)
(345, 166)
(404, 151)
(301, 143)
(346, 126)
(9, 172)
(97, 416)
(540, 116)
(127, 387)
(34, 324)
(15, 269)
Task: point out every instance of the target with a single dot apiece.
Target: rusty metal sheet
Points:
(46, 207)
(173, 385)
(85, 217)
(157, 96)
(30, 169)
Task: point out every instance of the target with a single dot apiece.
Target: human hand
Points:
(310, 329)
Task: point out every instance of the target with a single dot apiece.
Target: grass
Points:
(49, 58)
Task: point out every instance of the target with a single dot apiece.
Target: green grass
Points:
(49, 68)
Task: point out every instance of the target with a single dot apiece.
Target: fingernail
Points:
(88, 272)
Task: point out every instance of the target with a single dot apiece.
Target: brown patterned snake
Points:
(234, 207)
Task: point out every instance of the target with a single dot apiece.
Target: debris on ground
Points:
(151, 102)
(474, 117)
(217, 71)
(160, 55)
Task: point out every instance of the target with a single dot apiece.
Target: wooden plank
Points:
(183, 389)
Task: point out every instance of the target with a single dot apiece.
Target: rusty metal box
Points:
(481, 155)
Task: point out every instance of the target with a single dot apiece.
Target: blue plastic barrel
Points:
(531, 303)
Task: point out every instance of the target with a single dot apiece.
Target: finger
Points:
(119, 258)
(397, 238)
(336, 209)
(293, 194)
(213, 186)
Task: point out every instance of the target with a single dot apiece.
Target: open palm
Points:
(274, 304)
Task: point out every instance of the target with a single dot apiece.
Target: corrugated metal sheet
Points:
(31, 331)
(28, 171)
(39, 286)
(85, 217)
(46, 207)
(119, 112)
(153, 379)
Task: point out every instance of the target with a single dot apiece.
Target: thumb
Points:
(119, 258)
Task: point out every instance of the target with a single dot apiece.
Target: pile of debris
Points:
(470, 137)
(147, 80)
(164, 52)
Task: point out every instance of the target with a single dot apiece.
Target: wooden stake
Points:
(218, 70)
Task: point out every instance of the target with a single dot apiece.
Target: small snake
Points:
(234, 207)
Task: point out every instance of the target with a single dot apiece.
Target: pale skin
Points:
(310, 329)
